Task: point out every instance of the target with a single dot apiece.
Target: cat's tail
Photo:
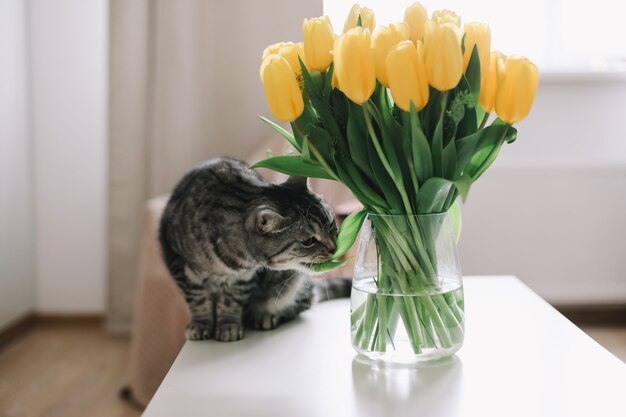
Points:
(329, 289)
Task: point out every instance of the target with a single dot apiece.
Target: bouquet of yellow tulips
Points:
(400, 115)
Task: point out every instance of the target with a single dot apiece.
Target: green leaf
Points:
(422, 157)
(449, 161)
(463, 184)
(456, 220)
(339, 108)
(384, 181)
(487, 149)
(308, 117)
(322, 141)
(437, 149)
(407, 152)
(306, 156)
(432, 196)
(467, 146)
(282, 132)
(293, 165)
(432, 112)
(472, 74)
(328, 265)
(320, 103)
(348, 231)
(351, 177)
(395, 145)
(387, 140)
(358, 138)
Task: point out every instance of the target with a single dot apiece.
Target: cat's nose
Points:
(331, 245)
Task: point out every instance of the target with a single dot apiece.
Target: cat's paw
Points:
(229, 332)
(266, 322)
(199, 331)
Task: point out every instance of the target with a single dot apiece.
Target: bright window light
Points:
(559, 35)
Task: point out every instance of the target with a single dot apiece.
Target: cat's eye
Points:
(309, 242)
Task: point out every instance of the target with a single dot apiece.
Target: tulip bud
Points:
(446, 16)
(407, 75)
(518, 79)
(318, 42)
(354, 64)
(368, 20)
(272, 49)
(384, 39)
(401, 29)
(415, 16)
(489, 82)
(444, 60)
(477, 34)
(290, 51)
(281, 88)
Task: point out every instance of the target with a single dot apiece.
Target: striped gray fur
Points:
(239, 248)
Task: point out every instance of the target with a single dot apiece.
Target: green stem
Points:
(484, 121)
(442, 330)
(369, 319)
(356, 314)
(398, 182)
(382, 323)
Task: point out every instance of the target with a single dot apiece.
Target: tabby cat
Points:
(240, 248)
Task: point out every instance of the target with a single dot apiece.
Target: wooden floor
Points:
(77, 370)
(64, 371)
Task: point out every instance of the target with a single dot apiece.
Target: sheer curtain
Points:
(184, 87)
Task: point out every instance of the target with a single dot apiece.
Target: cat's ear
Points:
(296, 183)
(268, 221)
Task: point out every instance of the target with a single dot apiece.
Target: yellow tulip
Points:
(383, 41)
(477, 34)
(401, 29)
(318, 42)
(368, 20)
(290, 51)
(518, 80)
(444, 60)
(415, 16)
(281, 88)
(407, 75)
(272, 49)
(489, 82)
(446, 16)
(354, 64)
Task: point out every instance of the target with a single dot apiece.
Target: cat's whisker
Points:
(283, 287)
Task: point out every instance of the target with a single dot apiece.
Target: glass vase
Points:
(407, 292)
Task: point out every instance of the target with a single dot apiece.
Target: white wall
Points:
(17, 255)
(68, 47)
(551, 209)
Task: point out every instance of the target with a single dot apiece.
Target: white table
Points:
(520, 358)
